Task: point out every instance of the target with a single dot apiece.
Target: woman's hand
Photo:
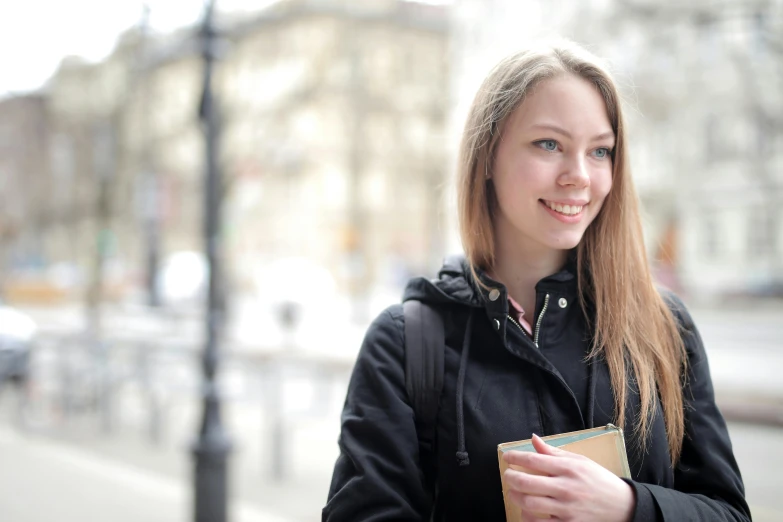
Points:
(569, 487)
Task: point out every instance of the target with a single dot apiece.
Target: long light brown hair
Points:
(632, 325)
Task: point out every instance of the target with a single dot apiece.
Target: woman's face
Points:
(553, 165)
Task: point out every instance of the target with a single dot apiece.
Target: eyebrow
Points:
(555, 128)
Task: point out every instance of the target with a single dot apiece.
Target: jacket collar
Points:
(455, 284)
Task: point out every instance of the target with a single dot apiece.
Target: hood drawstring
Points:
(591, 380)
(462, 454)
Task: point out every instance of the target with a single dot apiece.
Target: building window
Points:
(773, 233)
(762, 232)
(711, 236)
(758, 31)
(763, 130)
(711, 145)
(708, 35)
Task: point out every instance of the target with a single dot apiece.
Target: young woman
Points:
(552, 323)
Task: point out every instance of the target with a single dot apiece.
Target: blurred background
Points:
(334, 135)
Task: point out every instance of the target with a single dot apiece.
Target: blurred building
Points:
(335, 113)
(24, 191)
(333, 116)
(703, 83)
(731, 179)
(88, 243)
(708, 135)
(340, 126)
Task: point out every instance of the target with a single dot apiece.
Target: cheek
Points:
(518, 179)
(507, 197)
(602, 184)
(528, 176)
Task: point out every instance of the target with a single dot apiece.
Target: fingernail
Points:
(542, 441)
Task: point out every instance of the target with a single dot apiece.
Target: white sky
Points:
(36, 34)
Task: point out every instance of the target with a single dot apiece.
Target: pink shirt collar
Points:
(516, 311)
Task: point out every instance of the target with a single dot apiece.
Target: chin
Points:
(564, 241)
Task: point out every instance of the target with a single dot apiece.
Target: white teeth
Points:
(568, 210)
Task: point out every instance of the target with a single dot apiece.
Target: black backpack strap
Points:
(425, 342)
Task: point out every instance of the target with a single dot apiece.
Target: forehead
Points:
(567, 101)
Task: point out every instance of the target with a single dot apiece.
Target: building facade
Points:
(332, 117)
(704, 106)
(24, 194)
(335, 119)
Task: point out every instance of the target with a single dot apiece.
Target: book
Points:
(604, 445)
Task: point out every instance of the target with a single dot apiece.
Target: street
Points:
(68, 464)
(744, 349)
(43, 480)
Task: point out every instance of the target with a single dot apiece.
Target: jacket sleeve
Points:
(707, 481)
(377, 475)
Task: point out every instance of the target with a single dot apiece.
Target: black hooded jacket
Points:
(500, 387)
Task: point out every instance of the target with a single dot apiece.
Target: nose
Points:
(575, 173)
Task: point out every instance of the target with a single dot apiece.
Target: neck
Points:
(520, 264)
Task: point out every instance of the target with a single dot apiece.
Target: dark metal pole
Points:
(213, 445)
(150, 176)
(105, 166)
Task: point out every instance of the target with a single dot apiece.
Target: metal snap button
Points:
(494, 294)
(562, 302)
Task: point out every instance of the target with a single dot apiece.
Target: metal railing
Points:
(75, 378)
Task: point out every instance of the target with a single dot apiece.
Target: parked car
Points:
(17, 332)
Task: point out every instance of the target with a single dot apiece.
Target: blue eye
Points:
(602, 153)
(548, 145)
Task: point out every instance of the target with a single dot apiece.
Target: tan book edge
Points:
(604, 445)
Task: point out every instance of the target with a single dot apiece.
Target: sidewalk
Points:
(56, 481)
(44, 479)
(127, 462)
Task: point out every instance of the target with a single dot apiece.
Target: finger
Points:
(538, 463)
(539, 506)
(542, 447)
(530, 484)
(527, 516)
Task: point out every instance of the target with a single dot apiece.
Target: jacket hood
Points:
(455, 283)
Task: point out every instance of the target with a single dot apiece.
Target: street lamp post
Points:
(150, 178)
(212, 447)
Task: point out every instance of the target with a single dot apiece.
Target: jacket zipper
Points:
(540, 318)
(538, 323)
(520, 327)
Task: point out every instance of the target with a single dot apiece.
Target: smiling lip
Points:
(572, 202)
(566, 218)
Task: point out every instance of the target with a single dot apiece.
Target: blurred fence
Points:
(148, 383)
(147, 366)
